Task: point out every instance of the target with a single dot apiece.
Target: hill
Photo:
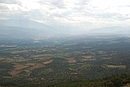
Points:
(25, 29)
(111, 31)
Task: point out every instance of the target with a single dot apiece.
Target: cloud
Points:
(81, 13)
(56, 3)
(84, 2)
(3, 8)
(10, 2)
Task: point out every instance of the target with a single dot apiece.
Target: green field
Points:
(66, 62)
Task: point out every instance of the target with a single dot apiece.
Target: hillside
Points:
(18, 29)
(113, 81)
(43, 61)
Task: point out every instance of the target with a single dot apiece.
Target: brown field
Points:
(87, 57)
(116, 66)
(14, 60)
(30, 79)
(71, 60)
(14, 72)
(21, 51)
(30, 64)
(42, 55)
(37, 65)
(19, 67)
(26, 70)
(91, 59)
(9, 60)
(2, 58)
(105, 58)
(48, 62)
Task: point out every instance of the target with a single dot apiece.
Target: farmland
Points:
(40, 62)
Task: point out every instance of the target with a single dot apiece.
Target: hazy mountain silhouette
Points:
(24, 23)
(26, 28)
(111, 30)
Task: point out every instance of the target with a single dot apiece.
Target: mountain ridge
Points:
(31, 28)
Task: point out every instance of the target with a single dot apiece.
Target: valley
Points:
(30, 62)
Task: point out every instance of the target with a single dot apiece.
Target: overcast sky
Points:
(86, 14)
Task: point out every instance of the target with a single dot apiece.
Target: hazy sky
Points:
(79, 13)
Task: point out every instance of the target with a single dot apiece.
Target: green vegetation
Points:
(113, 81)
(47, 71)
(66, 64)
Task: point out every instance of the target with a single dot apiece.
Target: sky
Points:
(85, 14)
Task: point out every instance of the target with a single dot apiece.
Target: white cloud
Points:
(10, 2)
(81, 13)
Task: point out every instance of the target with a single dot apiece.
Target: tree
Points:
(110, 84)
(117, 81)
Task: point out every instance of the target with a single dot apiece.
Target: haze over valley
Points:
(64, 43)
(62, 18)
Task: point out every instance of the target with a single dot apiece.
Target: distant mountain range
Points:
(111, 30)
(24, 23)
(24, 28)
